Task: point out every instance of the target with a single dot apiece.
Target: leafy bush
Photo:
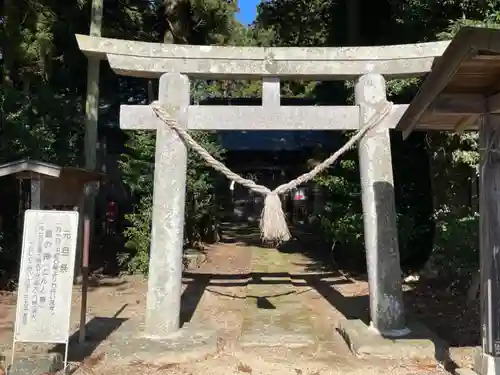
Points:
(456, 243)
(202, 205)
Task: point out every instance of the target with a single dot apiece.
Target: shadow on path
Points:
(319, 277)
(97, 330)
(350, 307)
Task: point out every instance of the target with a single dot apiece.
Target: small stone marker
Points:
(46, 277)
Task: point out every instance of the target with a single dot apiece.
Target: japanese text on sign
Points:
(46, 276)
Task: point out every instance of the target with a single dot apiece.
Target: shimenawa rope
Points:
(273, 226)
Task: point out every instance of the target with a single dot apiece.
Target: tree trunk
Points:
(353, 22)
(177, 25)
(10, 41)
(473, 291)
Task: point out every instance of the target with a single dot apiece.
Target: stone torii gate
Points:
(370, 66)
(174, 64)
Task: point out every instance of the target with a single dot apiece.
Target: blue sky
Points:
(248, 10)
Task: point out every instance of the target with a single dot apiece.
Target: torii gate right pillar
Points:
(379, 213)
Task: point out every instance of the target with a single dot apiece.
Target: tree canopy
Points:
(44, 83)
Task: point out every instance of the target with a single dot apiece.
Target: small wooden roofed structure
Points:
(463, 84)
(51, 185)
(26, 168)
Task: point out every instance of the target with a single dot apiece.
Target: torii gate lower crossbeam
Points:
(165, 270)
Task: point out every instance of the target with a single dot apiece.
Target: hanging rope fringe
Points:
(273, 226)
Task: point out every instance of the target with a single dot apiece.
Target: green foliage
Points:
(456, 246)
(342, 220)
(138, 233)
(202, 207)
(203, 204)
(137, 164)
(40, 119)
(456, 155)
(44, 86)
(44, 126)
(452, 157)
(44, 82)
(194, 22)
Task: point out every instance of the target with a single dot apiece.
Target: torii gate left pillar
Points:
(167, 227)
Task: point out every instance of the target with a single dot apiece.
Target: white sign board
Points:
(46, 276)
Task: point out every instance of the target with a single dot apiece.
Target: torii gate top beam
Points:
(151, 60)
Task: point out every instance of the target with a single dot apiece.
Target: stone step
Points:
(48, 363)
(285, 327)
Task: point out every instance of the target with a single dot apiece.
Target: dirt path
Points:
(272, 317)
(222, 305)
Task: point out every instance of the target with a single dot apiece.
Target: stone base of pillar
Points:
(128, 344)
(48, 363)
(395, 333)
(416, 342)
(485, 364)
(465, 371)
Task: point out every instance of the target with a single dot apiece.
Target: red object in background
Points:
(111, 211)
(299, 195)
